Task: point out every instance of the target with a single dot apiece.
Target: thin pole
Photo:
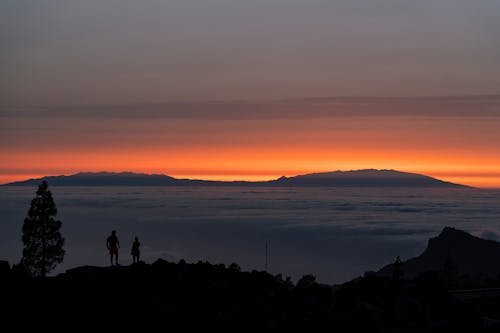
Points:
(266, 256)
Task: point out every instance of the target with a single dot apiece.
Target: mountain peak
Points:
(473, 255)
(451, 233)
(452, 240)
(366, 178)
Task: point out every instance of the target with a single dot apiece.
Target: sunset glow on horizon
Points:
(481, 180)
(266, 145)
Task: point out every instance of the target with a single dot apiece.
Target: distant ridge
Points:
(365, 178)
(354, 178)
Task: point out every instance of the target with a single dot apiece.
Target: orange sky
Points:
(415, 137)
(256, 163)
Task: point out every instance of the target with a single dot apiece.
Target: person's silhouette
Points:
(136, 252)
(397, 273)
(113, 245)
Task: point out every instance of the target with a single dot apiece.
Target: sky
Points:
(228, 89)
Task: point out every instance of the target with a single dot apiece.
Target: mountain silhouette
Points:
(355, 178)
(365, 178)
(471, 256)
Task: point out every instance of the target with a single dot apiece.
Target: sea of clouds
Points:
(335, 234)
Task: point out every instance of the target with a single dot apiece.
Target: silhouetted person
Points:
(136, 252)
(397, 273)
(113, 245)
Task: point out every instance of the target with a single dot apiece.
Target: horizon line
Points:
(254, 179)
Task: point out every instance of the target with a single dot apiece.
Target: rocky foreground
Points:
(182, 297)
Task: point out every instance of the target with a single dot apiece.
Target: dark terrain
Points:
(182, 297)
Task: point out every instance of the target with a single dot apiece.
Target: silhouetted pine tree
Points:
(43, 242)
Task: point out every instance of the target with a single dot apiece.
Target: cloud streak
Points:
(307, 108)
(99, 52)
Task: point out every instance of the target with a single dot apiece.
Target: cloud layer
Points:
(336, 234)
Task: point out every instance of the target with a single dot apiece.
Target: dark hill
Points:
(365, 178)
(121, 179)
(182, 297)
(358, 178)
(103, 179)
(197, 297)
(470, 255)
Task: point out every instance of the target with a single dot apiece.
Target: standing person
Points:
(136, 253)
(113, 245)
(397, 273)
